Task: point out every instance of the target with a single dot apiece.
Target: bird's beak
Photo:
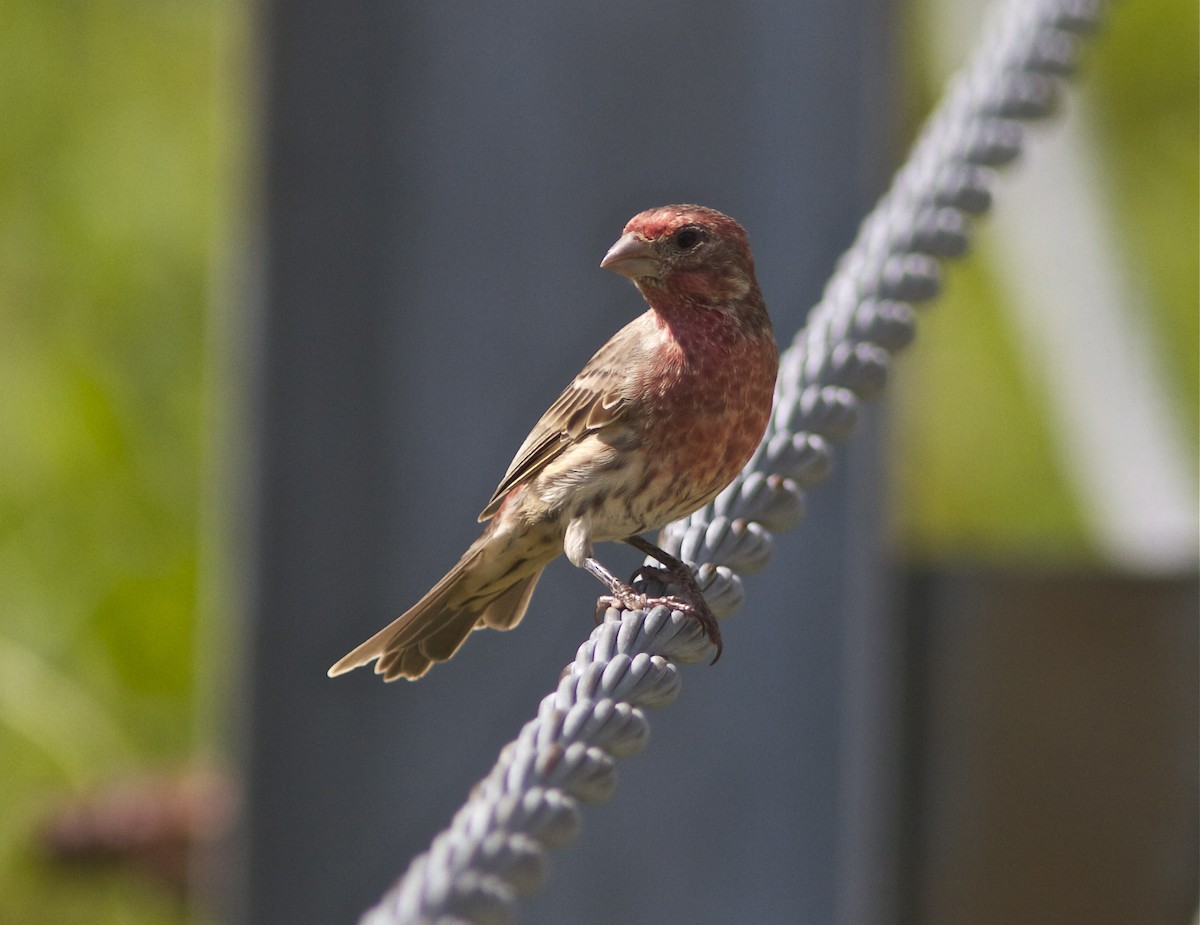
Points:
(632, 256)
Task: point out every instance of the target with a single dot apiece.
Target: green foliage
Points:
(107, 185)
(972, 438)
(977, 477)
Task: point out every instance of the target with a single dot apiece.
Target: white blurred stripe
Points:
(1084, 329)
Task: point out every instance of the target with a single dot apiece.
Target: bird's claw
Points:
(690, 603)
(697, 609)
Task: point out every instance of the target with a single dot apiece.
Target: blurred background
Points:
(283, 286)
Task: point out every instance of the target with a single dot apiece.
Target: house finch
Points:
(654, 426)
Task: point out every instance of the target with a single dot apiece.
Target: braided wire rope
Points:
(492, 852)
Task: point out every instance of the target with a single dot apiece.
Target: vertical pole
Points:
(439, 188)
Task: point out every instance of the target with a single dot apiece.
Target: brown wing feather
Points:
(596, 398)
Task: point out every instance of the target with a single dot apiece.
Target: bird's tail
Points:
(470, 596)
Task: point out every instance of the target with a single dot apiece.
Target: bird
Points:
(653, 427)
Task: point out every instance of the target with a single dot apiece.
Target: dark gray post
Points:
(439, 189)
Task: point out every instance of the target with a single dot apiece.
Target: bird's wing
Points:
(596, 399)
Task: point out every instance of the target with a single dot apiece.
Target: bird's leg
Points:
(628, 598)
(692, 603)
(673, 569)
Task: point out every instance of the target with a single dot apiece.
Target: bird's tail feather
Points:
(506, 611)
(434, 628)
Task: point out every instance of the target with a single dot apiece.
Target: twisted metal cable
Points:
(492, 853)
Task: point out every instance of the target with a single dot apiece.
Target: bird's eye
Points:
(687, 238)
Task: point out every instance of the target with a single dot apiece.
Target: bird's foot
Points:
(691, 603)
(627, 598)
(674, 571)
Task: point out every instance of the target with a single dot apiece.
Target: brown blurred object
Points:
(153, 824)
(1055, 721)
